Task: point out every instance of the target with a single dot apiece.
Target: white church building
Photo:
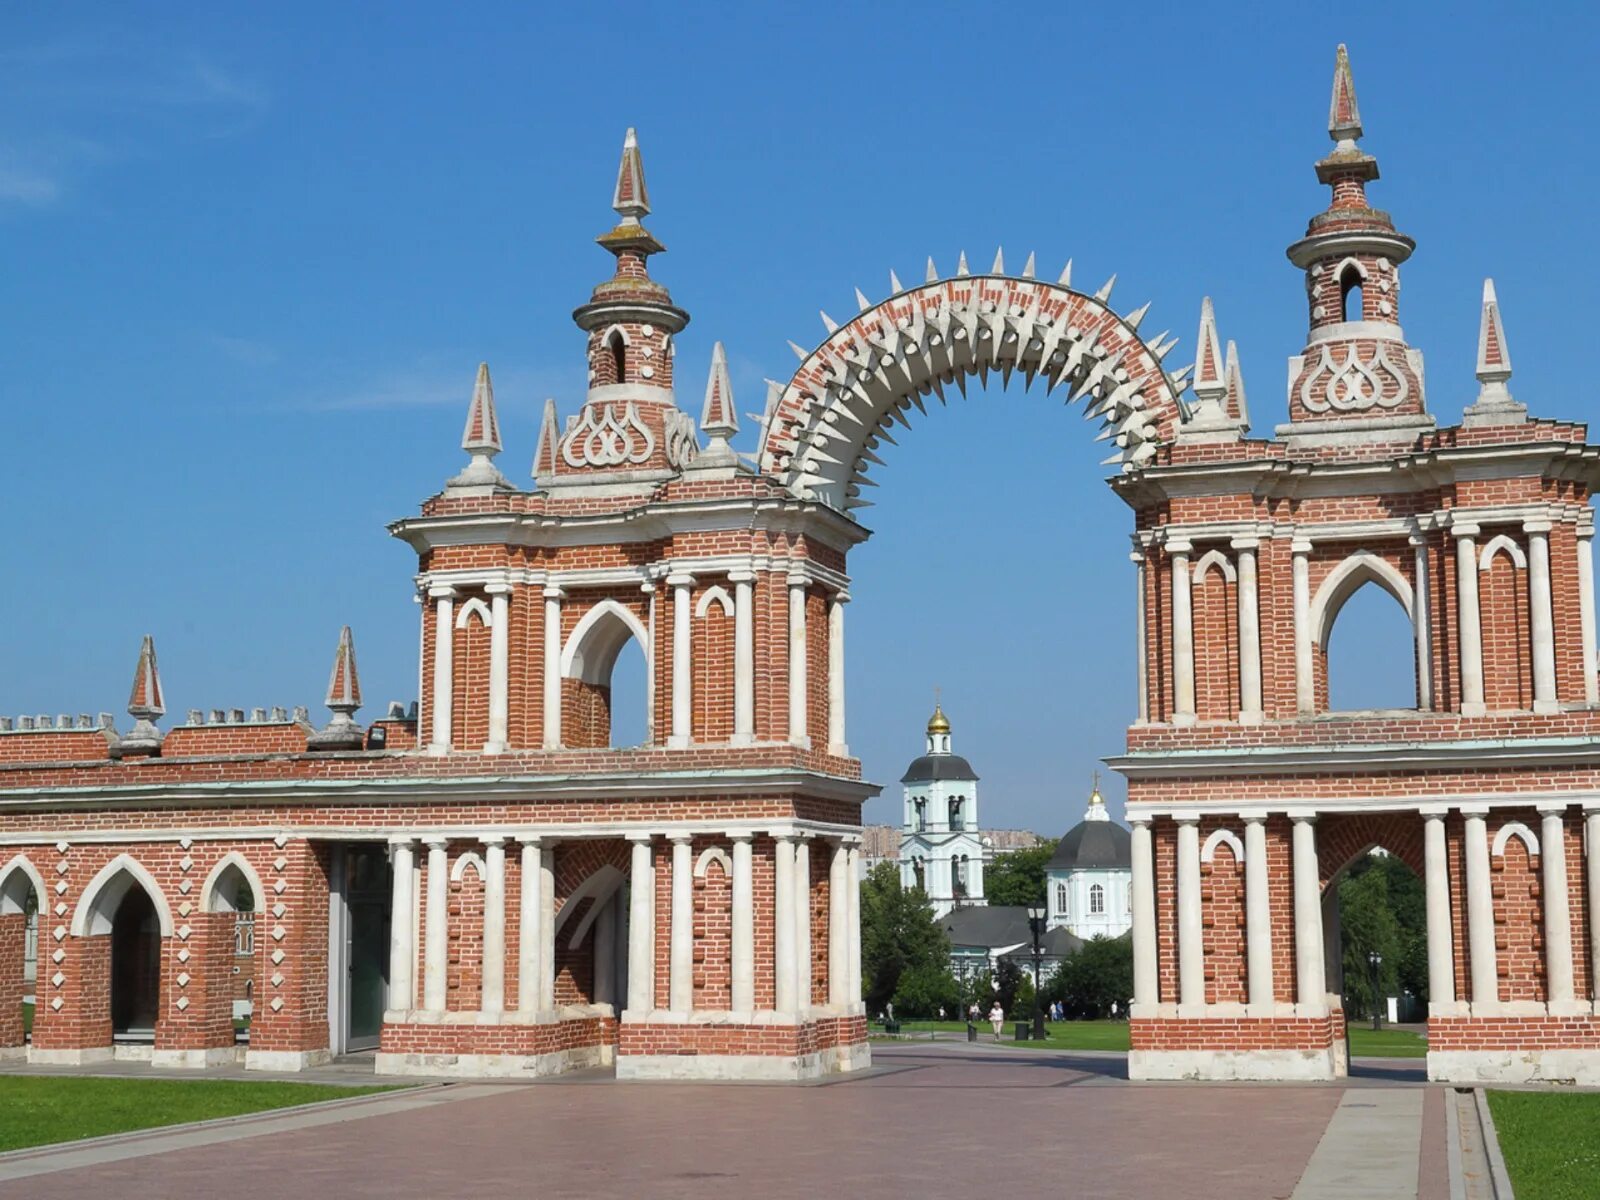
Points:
(942, 849)
(1089, 879)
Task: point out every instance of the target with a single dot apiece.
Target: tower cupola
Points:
(1356, 373)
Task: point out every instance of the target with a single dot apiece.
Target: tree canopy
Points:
(902, 947)
(1017, 876)
(1382, 908)
(1099, 975)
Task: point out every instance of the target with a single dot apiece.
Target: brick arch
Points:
(99, 901)
(1344, 837)
(819, 432)
(13, 876)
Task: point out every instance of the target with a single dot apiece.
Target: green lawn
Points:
(40, 1109)
(1551, 1141)
(1059, 1035)
(1386, 1043)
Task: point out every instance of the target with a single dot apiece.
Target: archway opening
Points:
(1350, 294)
(135, 966)
(605, 700)
(1368, 652)
(232, 892)
(19, 955)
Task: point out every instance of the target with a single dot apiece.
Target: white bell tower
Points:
(941, 844)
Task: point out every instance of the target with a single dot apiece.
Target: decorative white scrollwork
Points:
(605, 440)
(682, 441)
(1354, 385)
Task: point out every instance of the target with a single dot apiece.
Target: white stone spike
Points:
(961, 265)
(932, 273)
(798, 352)
(1239, 406)
(1137, 315)
(1066, 275)
(862, 301)
(1209, 384)
(999, 267)
(895, 286)
(870, 456)
(1104, 293)
(1028, 267)
(828, 322)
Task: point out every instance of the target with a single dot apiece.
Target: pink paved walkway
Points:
(934, 1122)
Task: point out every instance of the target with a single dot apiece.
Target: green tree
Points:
(899, 938)
(1368, 924)
(1017, 876)
(1007, 986)
(1099, 975)
(926, 988)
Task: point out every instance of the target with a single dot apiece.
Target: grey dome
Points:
(937, 768)
(1093, 844)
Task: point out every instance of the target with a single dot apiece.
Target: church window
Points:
(1061, 899)
(1350, 293)
(1097, 899)
(957, 822)
(922, 814)
(960, 874)
(615, 348)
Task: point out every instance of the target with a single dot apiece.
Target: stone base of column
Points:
(1516, 1049)
(68, 1057)
(1238, 1047)
(513, 1045)
(752, 1047)
(196, 1058)
(285, 1060)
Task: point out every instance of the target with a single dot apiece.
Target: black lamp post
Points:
(1036, 927)
(1375, 960)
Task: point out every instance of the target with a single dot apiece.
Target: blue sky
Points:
(252, 259)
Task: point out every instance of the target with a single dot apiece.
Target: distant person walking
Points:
(997, 1019)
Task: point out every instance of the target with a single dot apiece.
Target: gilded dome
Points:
(938, 723)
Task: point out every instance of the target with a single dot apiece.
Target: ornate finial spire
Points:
(343, 699)
(1210, 420)
(1495, 404)
(1344, 117)
(631, 200)
(544, 457)
(145, 705)
(718, 421)
(1097, 802)
(1236, 404)
(481, 438)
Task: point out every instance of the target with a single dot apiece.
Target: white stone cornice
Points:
(1300, 808)
(1462, 755)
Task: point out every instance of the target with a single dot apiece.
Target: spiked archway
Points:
(819, 432)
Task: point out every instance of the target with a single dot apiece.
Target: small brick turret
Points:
(1356, 375)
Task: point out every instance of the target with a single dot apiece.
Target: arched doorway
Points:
(20, 892)
(135, 967)
(596, 712)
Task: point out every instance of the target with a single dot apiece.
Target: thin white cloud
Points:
(246, 351)
(23, 185)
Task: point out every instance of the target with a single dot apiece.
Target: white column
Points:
(680, 960)
(1591, 680)
(783, 950)
(1141, 650)
(435, 929)
(552, 668)
(1470, 634)
(1541, 621)
(743, 998)
(836, 742)
(547, 927)
(1480, 913)
(744, 658)
(402, 919)
(797, 661)
(1191, 935)
(1305, 683)
(1591, 872)
(1182, 635)
(444, 628)
(528, 935)
(499, 668)
(1258, 913)
(838, 938)
(648, 587)
(641, 930)
(1441, 938)
(682, 667)
(1422, 625)
(494, 925)
(1249, 635)
(852, 923)
(802, 922)
(1557, 907)
(1310, 969)
(1146, 977)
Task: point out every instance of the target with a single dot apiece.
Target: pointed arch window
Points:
(1351, 279)
(616, 348)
